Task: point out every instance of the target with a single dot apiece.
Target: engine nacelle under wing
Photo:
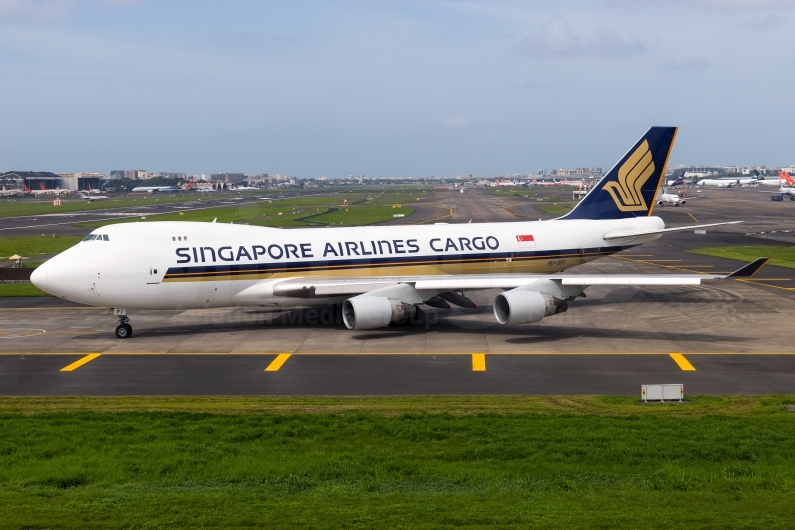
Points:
(526, 307)
(371, 312)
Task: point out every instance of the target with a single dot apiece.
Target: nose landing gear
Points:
(124, 329)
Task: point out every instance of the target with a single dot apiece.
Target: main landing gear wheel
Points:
(123, 331)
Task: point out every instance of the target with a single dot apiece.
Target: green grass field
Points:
(268, 214)
(20, 289)
(555, 209)
(32, 246)
(421, 462)
(361, 215)
(32, 206)
(780, 255)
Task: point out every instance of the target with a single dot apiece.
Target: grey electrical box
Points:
(666, 392)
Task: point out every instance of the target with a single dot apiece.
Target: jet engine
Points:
(526, 307)
(371, 312)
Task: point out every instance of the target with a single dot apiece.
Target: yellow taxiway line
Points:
(683, 363)
(478, 362)
(112, 352)
(80, 362)
(278, 362)
(437, 218)
(692, 216)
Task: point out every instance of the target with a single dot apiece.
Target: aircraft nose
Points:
(39, 277)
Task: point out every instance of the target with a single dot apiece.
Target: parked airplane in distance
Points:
(678, 181)
(757, 179)
(785, 178)
(90, 196)
(716, 183)
(378, 275)
(546, 183)
(762, 180)
(10, 193)
(42, 192)
(670, 198)
(155, 189)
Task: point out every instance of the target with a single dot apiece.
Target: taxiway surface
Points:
(725, 337)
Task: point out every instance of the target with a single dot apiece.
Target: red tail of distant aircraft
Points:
(785, 177)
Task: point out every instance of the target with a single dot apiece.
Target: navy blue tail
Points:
(629, 189)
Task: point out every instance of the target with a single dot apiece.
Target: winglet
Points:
(746, 271)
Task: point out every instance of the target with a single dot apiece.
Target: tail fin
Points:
(783, 175)
(629, 189)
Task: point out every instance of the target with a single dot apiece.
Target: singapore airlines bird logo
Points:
(632, 175)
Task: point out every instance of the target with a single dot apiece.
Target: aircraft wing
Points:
(311, 287)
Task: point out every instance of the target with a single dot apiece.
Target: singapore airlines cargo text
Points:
(341, 248)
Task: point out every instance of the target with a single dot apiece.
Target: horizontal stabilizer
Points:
(749, 270)
(621, 233)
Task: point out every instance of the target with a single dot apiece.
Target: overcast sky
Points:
(386, 88)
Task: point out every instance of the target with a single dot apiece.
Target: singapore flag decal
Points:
(526, 241)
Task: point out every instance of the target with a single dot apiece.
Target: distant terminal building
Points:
(132, 174)
(169, 175)
(81, 181)
(229, 178)
(259, 179)
(34, 180)
(703, 171)
(579, 173)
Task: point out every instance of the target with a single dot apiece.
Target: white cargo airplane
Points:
(379, 275)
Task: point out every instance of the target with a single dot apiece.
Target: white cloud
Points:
(557, 39)
(456, 122)
(712, 5)
(121, 2)
(554, 39)
(771, 21)
(691, 64)
(607, 42)
(35, 10)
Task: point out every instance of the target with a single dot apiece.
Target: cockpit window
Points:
(96, 237)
